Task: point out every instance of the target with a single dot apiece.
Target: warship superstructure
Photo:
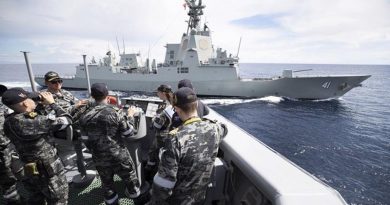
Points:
(213, 72)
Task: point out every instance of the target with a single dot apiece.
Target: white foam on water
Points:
(222, 101)
(226, 101)
(117, 93)
(20, 84)
(326, 100)
(272, 99)
(321, 100)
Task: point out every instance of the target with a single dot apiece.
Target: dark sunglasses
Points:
(56, 81)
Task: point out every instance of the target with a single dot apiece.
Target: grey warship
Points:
(212, 71)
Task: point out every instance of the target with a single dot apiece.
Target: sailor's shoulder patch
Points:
(209, 120)
(174, 131)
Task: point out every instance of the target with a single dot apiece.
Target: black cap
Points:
(99, 90)
(51, 75)
(185, 83)
(2, 89)
(16, 95)
(184, 96)
(164, 88)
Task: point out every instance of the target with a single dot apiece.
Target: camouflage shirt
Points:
(162, 121)
(186, 162)
(102, 129)
(63, 98)
(202, 111)
(29, 132)
(4, 141)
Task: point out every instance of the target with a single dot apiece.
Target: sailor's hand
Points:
(81, 103)
(47, 98)
(131, 111)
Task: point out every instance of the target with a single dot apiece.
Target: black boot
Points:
(149, 172)
(12, 197)
(142, 199)
(111, 198)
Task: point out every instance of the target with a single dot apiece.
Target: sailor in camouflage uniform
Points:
(161, 123)
(187, 159)
(62, 97)
(103, 129)
(68, 102)
(7, 178)
(202, 109)
(44, 178)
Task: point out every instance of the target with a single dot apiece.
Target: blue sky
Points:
(272, 31)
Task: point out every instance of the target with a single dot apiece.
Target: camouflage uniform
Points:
(7, 178)
(44, 174)
(202, 111)
(161, 125)
(103, 128)
(64, 99)
(186, 162)
(77, 113)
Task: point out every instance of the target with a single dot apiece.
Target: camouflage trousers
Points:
(120, 164)
(50, 185)
(195, 199)
(179, 198)
(154, 150)
(10, 171)
(154, 155)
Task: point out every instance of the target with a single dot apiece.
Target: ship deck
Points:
(91, 195)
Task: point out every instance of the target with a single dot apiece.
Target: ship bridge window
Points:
(182, 70)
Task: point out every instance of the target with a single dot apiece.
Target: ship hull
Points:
(295, 87)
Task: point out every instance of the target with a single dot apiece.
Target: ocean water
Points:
(343, 142)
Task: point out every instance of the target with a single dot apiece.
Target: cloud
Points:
(259, 21)
(283, 31)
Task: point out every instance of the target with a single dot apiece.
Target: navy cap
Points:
(184, 96)
(16, 95)
(99, 90)
(164, 88)
(51, 75)
(2, 89)
(185, 83)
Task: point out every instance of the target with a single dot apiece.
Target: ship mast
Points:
(195, 11)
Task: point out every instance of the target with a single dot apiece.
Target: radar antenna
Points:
(239, 46)
(196, 10)
(117, 44)
(123, 45)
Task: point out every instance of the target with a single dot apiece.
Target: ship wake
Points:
(232, 101)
